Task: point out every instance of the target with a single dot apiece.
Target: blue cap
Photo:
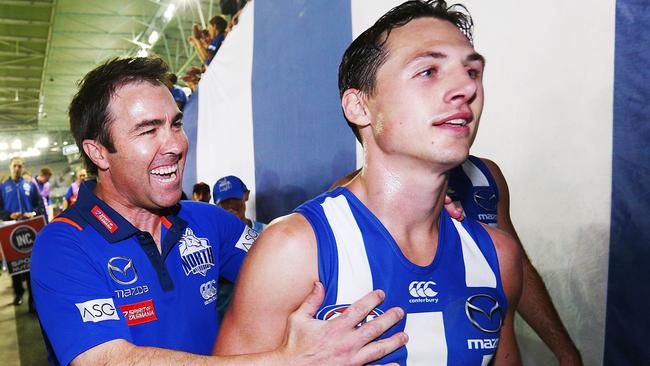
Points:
(228, 187)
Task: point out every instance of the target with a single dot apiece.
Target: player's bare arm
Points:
(536, 306)
(510, 261)
(277, 274)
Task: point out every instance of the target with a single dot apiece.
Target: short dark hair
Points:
(362, 59)
(219, 22)
(46, 171)
(202, 190)
(89, 114)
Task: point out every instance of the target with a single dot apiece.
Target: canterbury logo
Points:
(422, 289)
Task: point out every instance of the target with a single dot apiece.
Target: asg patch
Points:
(247, 239)
(196, 253)
(97, 310)
(332, 311)
(484, 312)
(486, 199)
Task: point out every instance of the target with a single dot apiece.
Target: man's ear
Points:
(354, 107)
(97, 153)
(246, 195)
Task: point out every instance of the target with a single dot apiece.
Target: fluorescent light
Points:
(169, 12)
(153, 37)
(42, 143)
(16, 144)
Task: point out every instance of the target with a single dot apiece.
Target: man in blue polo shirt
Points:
(128, 274)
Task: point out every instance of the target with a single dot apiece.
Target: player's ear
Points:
(97, 153)
(354, 107)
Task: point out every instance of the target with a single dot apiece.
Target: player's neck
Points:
(401, 196)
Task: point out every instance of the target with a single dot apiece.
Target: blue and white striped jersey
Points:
(454, 306)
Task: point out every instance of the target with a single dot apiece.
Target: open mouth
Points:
(165, 174)
(460, 122)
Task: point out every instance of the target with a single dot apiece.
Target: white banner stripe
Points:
(225, 131)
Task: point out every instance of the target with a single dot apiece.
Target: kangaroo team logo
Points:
(196, 253)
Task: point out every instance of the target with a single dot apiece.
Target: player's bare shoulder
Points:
(288, 231)
(508, 251)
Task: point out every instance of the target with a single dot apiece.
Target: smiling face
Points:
(428, 96)
(146, 170)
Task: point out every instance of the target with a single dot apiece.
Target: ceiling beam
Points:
(20, 54)
(13, 89)
(85, 34)
(19, 78)
(23, 39)
(17, 60)
(31, 4)
(11, 21)
(20, 67)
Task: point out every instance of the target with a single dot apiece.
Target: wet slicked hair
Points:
(362, 59)
(89, 115)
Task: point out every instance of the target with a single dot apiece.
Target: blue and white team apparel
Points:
(97, 278)
(472, 185)
(454, 306)
(19, 196)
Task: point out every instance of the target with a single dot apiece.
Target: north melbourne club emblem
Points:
(196, 253)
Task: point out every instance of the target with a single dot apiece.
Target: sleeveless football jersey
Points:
(472, 186)
(454, 306)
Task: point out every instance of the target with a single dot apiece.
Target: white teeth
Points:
(167, 180)
(458, 122)
(166, 170)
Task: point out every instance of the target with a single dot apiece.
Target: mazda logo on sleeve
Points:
(484, 312)
(122, 270)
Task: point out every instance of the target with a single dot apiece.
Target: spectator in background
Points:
(42, 183)
(71, 195)
(192, 78)
(177, 92)
(201, 192)
(217, 32)
(231, 7)
(19, 199)
(231, 194)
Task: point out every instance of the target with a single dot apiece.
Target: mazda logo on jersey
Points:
(122, 270)
(486, 199)
(484, 312)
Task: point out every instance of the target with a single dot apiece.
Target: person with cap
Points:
(231, 194)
